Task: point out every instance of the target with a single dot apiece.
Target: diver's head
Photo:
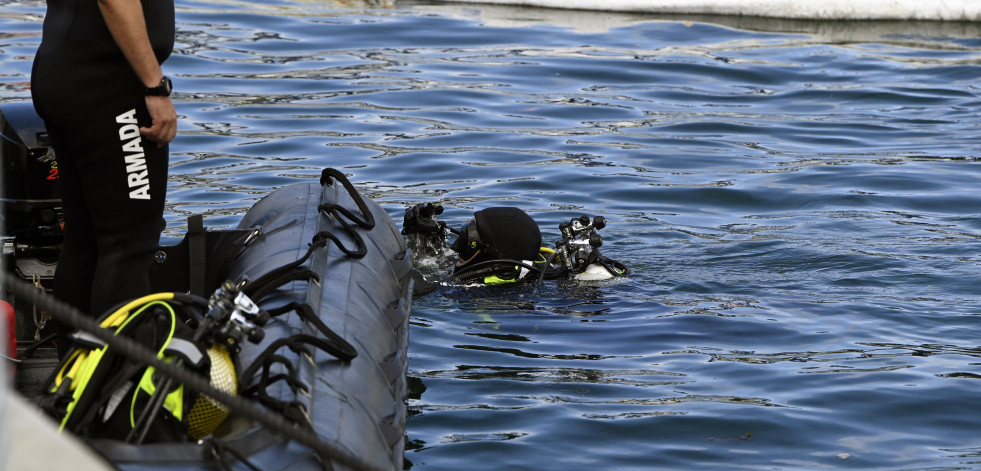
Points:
(498, 233)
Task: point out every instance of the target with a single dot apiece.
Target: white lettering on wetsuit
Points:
(136, 173)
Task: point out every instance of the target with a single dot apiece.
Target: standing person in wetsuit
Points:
(98, 85)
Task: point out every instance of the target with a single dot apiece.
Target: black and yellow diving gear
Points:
(503, 245)
(100, 393)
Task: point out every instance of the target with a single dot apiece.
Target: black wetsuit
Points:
(113, 181)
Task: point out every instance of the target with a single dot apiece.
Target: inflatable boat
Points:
(281, 344)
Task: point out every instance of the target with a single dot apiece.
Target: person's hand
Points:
(421, 219)
(164, 117)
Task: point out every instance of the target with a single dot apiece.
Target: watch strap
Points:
(164, 89)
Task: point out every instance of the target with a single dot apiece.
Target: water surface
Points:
(798, 203)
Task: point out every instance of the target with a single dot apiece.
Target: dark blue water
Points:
(798, 201)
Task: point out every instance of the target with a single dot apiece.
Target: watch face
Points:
(164, 89)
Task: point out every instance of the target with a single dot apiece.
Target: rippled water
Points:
(798, 202)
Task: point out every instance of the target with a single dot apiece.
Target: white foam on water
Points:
(937, 10)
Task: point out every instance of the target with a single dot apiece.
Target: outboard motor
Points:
(31, 199)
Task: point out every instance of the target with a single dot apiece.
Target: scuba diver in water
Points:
(504, 245)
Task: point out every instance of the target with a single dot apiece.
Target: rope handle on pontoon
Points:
(259, 287)
(369, 219)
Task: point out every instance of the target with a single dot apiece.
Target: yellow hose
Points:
(116, 318)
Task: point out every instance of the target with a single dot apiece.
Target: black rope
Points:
(491, 267)
(73, 317)
(29, 351)
(345, 351)
(258, 288)
(323, 236)
(369, 219)
(291, 409)
(218, 451)
(548, 263)
(297, 344)
(13, 141)
(342, 215)
(269, 280)
(270, 285)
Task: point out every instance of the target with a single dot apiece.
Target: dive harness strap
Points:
(499, 271)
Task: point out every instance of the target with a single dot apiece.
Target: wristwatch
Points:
(164, 89)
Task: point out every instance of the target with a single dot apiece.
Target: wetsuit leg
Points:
(73, 278)
(118, 213)
(113, 181)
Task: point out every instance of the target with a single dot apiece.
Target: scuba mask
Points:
(468, 243)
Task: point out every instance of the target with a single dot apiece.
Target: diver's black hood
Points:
(508, 233)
